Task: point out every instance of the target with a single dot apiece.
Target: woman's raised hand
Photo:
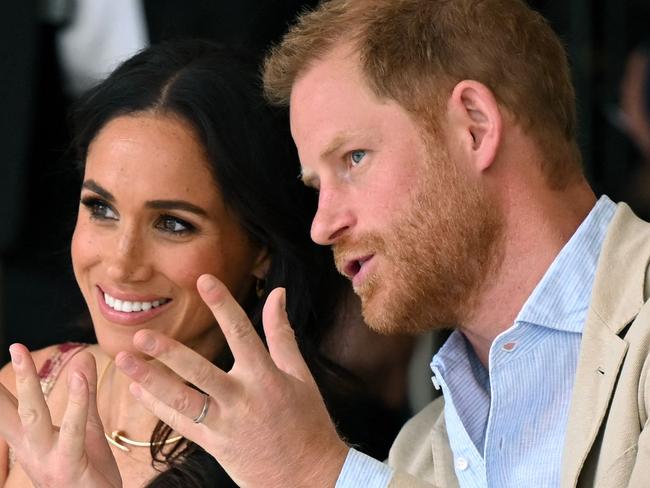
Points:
(74, 454)
(264, 420)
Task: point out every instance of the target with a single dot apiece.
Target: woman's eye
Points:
(356, 156)
(174, 225)
(99, 209)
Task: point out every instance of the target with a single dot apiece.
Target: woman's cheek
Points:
(182, 267)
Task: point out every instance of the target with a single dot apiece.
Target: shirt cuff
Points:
(362, 470)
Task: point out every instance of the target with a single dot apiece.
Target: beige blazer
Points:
(607, 443)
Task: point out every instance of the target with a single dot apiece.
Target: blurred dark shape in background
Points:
(634, 120)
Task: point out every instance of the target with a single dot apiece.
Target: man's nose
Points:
(333, 218)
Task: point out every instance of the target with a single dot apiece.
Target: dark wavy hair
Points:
(254, 164)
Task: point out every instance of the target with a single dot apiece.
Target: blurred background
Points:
(51, 50)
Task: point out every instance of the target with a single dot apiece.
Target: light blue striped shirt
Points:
(506, 426)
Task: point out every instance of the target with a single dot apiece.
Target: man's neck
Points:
(536, 228)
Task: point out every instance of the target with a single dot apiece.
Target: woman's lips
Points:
(140, 312)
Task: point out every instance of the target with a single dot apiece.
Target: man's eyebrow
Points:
(176, 205)
(92, 185)
(338, 140)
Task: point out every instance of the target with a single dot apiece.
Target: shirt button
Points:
(462, 464)
(509, 346)
(436, 383)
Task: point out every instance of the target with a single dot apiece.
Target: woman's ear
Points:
(262, 264)
(477, 121)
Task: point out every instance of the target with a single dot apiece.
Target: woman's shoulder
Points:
(48, 361)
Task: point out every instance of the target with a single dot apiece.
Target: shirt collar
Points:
(561, 299)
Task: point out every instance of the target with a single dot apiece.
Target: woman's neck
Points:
(118, 409)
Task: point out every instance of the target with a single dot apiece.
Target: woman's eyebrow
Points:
(92, 185)
(176, 205)
(155, 204)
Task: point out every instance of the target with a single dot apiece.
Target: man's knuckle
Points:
(203, 376)
(271, 382)
(240, 328)
(218, 302)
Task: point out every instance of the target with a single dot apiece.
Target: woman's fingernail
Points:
(76, 382)
(135, 389)
(16, 358)
(127, 364)
(147, 342)
(207, 283)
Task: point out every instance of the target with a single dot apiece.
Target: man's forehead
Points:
(325, 97)
(342, 58)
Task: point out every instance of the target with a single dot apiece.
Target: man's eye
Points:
(174, 225)
(99, 209)
(356, 156)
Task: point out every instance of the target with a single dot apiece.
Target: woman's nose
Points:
(128, 260)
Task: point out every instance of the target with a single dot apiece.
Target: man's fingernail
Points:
(207, 283)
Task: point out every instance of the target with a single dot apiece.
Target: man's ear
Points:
(477, 121)
(262, 264)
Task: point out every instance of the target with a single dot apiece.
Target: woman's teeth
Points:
(126, 306)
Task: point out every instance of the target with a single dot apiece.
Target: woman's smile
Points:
(134, 311)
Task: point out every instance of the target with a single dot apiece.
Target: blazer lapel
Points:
(617, 297)
(601, 356)
(443, 457)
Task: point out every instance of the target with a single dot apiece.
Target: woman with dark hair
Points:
(186, 171)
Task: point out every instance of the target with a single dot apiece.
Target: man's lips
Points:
(353, 267)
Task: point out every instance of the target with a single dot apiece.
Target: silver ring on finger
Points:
(204, 411)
